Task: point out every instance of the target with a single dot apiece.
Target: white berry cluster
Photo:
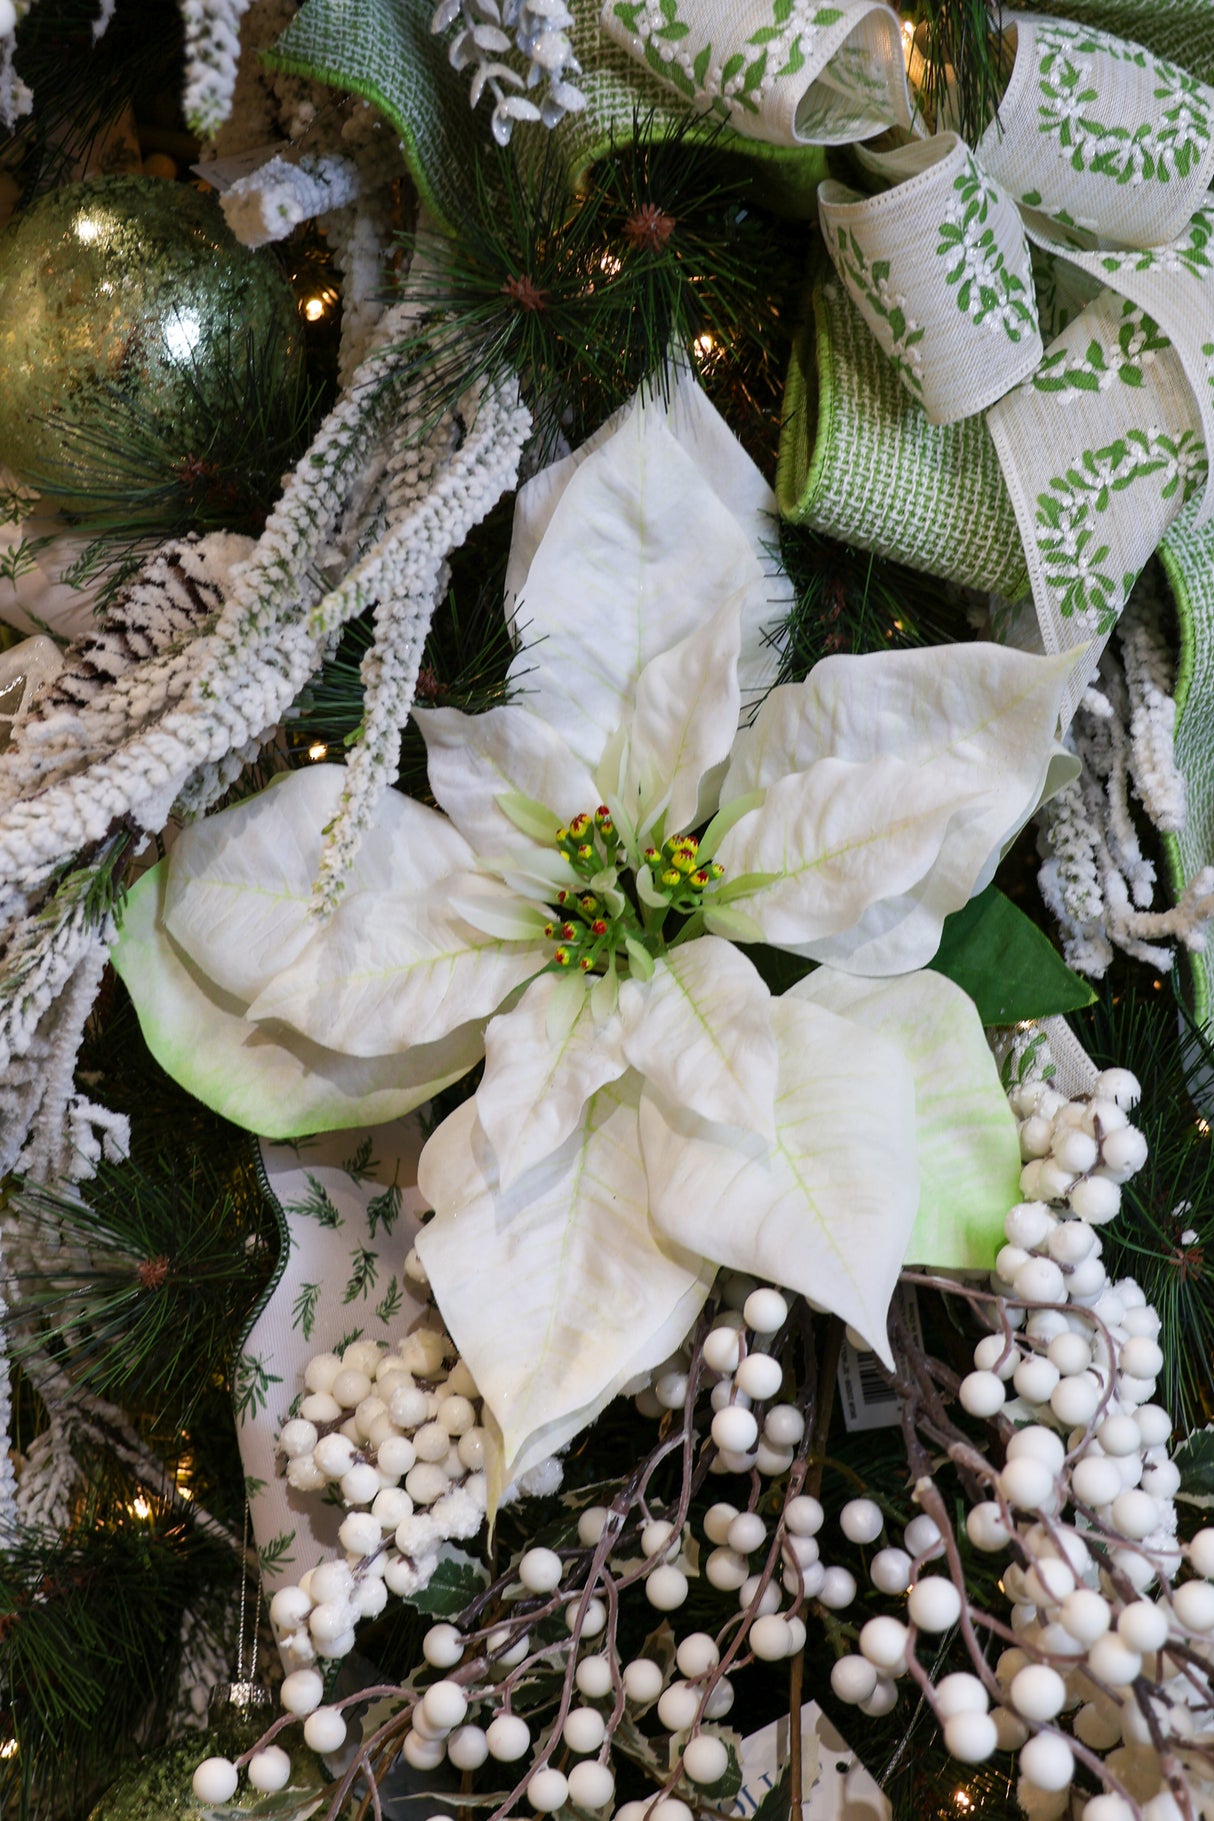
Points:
(398, 1432)
(484, 31)
(1107, 1665)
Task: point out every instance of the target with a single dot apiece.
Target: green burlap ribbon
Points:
(1187, 557)
(385, 51)
(860, 461)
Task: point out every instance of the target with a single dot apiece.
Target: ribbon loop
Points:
(1101, 135)
(1100, 454)
(800, 73)
(953, 306)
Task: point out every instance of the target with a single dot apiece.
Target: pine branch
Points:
(155, 1276)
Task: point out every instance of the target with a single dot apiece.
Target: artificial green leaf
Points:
(1195, 1459)
(1009, 968)
(458, 1579)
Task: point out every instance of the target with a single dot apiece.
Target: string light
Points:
(317, 750)
(139, 1507)
(315, 307)
(8, 1748)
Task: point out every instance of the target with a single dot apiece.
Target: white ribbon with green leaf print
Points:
(952, 307)
(787, 71)
(1074, 452)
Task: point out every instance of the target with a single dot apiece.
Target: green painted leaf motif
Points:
(1009, 968)
(364, 1271)
(303, 1309)
(390, 1303)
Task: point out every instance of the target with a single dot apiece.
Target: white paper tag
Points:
(868, 1401)
(834, 1785)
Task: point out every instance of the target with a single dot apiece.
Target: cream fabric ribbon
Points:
(1102, 153)
(791, 72)
(344, 1236)
(938, 265)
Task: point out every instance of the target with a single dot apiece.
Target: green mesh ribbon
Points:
(860, 461)
(1181, 31)
(385, 51)
(1188, 561)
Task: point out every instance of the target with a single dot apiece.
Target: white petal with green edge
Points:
(983, 704)
(240, 883)
(726, 469)
(829, 1208)
(965, 1136)
(839, 851)
(581, 1286)
(543, 1061)
(700, 1032)
(682, 727)
(270, 1082)
(388, 971)
(472, 760)
(638, 553)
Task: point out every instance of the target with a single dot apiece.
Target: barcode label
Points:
(868, 1400)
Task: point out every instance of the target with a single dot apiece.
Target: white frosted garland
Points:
(278, 195)
(428, 517)
(8, 1477)
(359, 239)
(101, 22)
(16, 99)
(260, 655)
(1150, 674)
(537, 33)
(1095, 878)
(126, 673)
(48, 1482)
(212, 48)
(68, 1135)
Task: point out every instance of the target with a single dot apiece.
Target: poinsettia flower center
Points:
(622, 909)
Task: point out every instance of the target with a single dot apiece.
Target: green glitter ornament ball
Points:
(126, 306)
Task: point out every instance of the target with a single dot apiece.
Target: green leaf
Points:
(458, 1579)
(1195, 1459)
(1009, 968)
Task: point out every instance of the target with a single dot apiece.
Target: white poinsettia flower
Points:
(648, 1111)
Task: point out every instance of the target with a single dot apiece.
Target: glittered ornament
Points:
(160, 1786)
(130, 319)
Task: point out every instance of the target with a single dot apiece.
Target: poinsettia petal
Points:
(834, 850)
(700, 1032)
(682, 727)
(965, 1136)
(275, 1083)
(829, 1207)
(725, 469)
(637, 554)
(240, 884)
(582, 1287)
(473, 760)
(387, 971)
(948, 750)
(543, 1061)
(983, 704)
